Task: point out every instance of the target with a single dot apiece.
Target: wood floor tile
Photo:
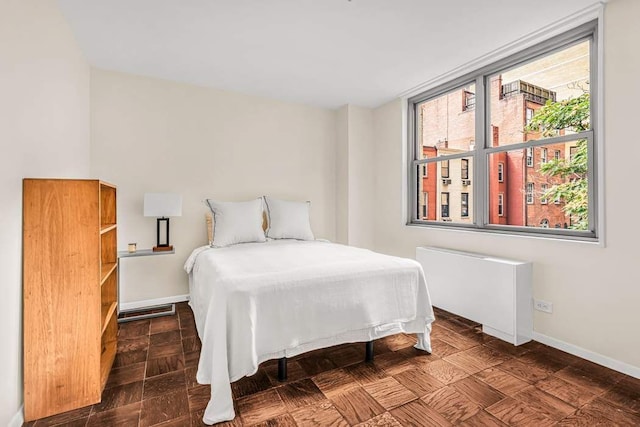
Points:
(133, 343)
(126, 416)
(441, 348)
(544, 361)
(452, 325)
(573, 394)
(261, 406)
(579, 377)
(163, 365)
(65, 417)
(196, 420)
(356, 406)
(545, 403)
(445, 371)
(314, 365)
(366, 373)
(164, 384)
(399, 341)
(198, 397)
(320, 414)
(601, 408)
(505, 347)
(164, 408)
(523, 371)
(164, 324)
(300, 393)
(134, 329)
(119, 396)
(516, 413)
(348, 355)
(478, 391)
(250, 385)
(477, 359)
(451, 404)
(585, 418)
(335, 382)
(418, 381)
(164, 350)
(190, 377)
(456, 340)
(126, 374)
(482, 419)
(625, 395)
(502, 381)
(285, 420)
(389, 393)
(418, 414)
(382, 420)
(191, 359)
(165, 337)
(182, 421)
(129, 358)
(393, 363)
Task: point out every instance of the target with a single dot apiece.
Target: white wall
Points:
(355, 209)
(44, 132)
(154, 135)
(594, 290)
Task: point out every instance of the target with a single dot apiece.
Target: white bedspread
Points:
(258, 301)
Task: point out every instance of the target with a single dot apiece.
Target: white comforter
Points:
(258, 301)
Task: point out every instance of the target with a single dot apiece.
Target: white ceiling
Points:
(321, 52)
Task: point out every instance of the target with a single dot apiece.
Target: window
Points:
(464, 205)
(531, 108)
(544, 189)
(425, 205)
(444, 168)
(464, 169)
(528, 116)
(544, 223)
(529, 193)
(424, 171)
(444, 205)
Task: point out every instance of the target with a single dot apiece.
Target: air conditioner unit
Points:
(446, 181)
(466, 182)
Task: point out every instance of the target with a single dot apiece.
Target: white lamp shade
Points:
(162, 204)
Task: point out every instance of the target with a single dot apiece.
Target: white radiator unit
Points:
(492, 291)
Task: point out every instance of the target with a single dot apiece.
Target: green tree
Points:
(571, 114)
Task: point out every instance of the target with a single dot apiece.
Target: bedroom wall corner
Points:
(153, 135)
(355, 208)
(44, 109)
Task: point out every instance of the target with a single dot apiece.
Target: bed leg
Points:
(282, 369)
(369, 352)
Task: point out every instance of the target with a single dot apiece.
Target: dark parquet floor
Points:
(470, 379)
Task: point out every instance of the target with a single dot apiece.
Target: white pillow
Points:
(236, 222)
(288, 220)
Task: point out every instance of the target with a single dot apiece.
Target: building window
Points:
(543, 188)
(529, 193)
(544, 223)
(444, 169)
(530, 157)
(501, 204)
(464, 205)
(444, 205)
(425, 205)
(528, 116)
(469, 100)
(464, 169)
(521, 96)
(424, 170)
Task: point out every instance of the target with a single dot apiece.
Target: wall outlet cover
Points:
(541, 305)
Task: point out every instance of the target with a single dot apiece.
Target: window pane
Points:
(446, 124)
(445, 198)
(555, 190)
(518, 97)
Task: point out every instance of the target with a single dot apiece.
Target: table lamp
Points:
(162, 206)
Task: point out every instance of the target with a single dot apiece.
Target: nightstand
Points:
(144, 312)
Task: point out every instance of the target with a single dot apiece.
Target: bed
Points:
(254, 302)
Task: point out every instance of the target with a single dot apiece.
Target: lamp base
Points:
(162, 248)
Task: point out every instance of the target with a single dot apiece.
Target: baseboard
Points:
(152, 302)
(18, 418)
(589, 355)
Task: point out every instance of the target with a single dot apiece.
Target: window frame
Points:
(444, 194)
(464, 204)
(500, 204)
(500, 171)
(464, 168)
(480, 154)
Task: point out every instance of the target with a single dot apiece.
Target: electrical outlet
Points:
(545, 306)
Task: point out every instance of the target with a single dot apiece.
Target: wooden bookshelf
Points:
(70, 293)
